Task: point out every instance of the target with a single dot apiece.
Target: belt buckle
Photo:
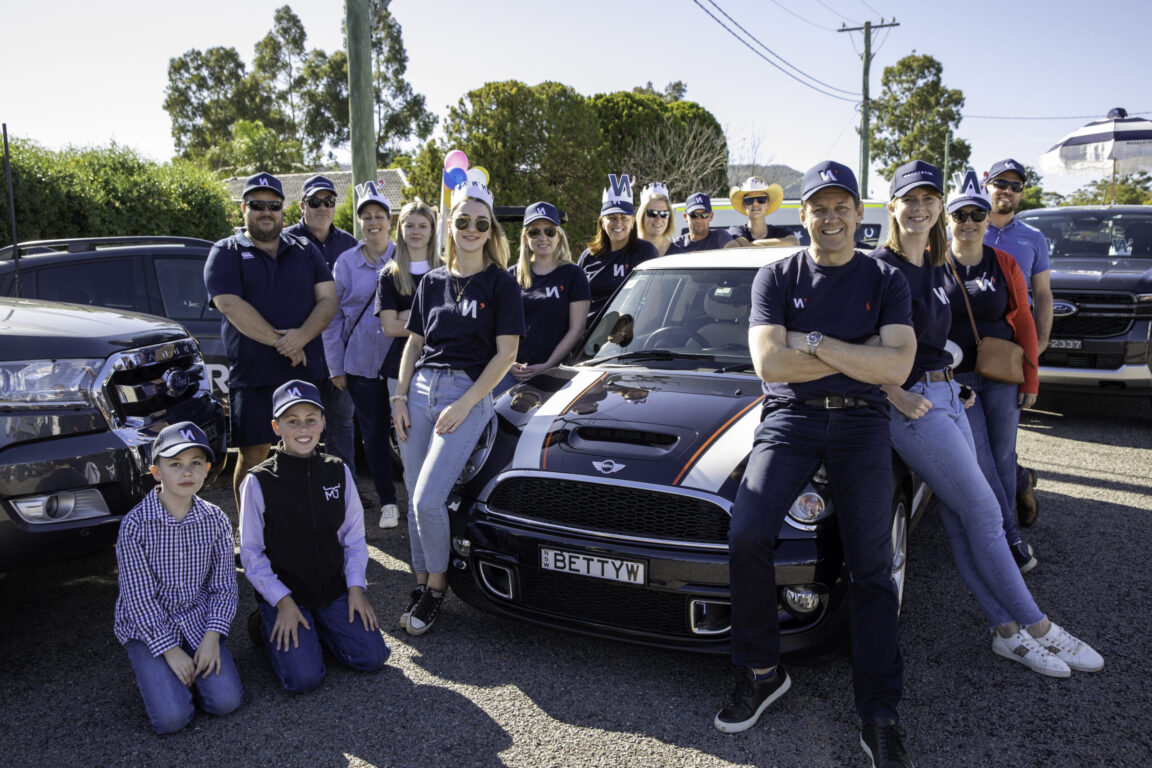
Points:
(834, 402)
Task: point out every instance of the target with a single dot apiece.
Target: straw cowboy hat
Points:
(756, 184)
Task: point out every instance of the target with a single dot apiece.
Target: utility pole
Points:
(362, 127)
(866, 104)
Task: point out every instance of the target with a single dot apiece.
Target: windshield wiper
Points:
(653, 354)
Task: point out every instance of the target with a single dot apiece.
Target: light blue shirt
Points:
(354, 342)
(1024, 243)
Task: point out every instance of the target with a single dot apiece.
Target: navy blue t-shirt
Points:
(745, 231)
(388, 297)
(988, 293)
(606, 271)
(931, 312)
(335, 244)
(282, 290)
(460, 317)
(546, 306)
(716, 238)
(850, 302)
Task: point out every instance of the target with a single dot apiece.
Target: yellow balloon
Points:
(478, 173)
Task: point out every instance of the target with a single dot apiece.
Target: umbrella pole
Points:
(1113, 182)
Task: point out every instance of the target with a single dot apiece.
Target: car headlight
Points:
(809, 508)
(36, 383)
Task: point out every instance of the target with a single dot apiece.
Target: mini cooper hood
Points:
(679, 429)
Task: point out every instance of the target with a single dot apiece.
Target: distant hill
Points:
(788, 178)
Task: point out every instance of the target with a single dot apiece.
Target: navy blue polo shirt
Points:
(282, 290)
(335, 244)
(388, 297)
(460, 317)
(716, 238)
(931, 312)
(745, 231)
(607, 270)
(850, 302)
(988, 292)
(546, 306)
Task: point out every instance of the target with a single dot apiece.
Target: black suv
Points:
(83, 392)
(1101, 273)
(155, 275)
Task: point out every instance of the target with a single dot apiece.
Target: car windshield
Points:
(1099, 233)
(676, 315)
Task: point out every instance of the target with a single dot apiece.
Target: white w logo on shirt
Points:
(941, 294)
(468, 307)
(618, 270)
(552, 292)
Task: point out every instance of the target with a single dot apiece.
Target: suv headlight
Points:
(36, 383)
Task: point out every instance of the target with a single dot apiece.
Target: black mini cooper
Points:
(600, 501)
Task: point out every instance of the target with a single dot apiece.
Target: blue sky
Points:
(88, 73)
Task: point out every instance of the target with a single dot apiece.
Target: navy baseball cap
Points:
(317, 184)
(698, 202)
(829, 174)
(916, 174)
(263, 181)
(966, 190)
(180, 437)
(541, 210)
(1004, 166)
(292, 392)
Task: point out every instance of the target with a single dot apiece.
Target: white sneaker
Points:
(1077, 654)
(1024, 648)
(389, 516)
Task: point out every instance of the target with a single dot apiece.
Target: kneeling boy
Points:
(302, 546)
(177, 575)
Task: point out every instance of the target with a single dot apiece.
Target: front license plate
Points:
(1066, 344)
(584, 564)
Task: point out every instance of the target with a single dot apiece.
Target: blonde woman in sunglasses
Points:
(654, 217)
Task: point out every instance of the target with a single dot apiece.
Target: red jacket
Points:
(1019, 317)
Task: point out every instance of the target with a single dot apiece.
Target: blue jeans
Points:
(939, 447)
(994, 420)
(433, 462)
(302, 668)
(370, 396)
(168, 702)
(790, 443)
(339, 433)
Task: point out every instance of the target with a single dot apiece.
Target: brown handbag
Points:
(996, 359)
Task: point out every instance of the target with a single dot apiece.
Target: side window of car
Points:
(182, 289)
(101, 283)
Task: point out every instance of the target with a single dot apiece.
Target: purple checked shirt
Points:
(177, 579)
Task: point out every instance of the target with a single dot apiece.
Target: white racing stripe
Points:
(717, 463)
(530, 447)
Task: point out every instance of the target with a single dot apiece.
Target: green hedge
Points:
(110, 191)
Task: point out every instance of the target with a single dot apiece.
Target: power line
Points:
(851, 98)
(871, 9)
(786, 9)
(835, 12)
(1064, 117)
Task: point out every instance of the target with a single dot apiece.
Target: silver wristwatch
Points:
(814, 340)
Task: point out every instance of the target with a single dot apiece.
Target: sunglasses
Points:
(463, 222)
(264, 205)
(963, 216)
(1015, 186)
(547, 232)
(699, 214)
(761, 199)
(321, 202)
(656, 214)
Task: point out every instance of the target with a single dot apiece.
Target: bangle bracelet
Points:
(394, 398)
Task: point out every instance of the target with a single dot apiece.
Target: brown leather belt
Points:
(931, 377)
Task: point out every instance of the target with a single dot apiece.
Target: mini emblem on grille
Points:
(1063, 309)
(607, 466)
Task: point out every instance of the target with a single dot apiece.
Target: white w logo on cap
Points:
(542, 210)
(828, 175)
(188, 434)
(294, 392)
(263, 180)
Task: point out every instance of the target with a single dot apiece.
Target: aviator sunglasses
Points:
(656, 214)
(317, 202)
(962, 216)
(1015, 186)
(759, 199)
(463, 222)
(547, 232)
(264, 205)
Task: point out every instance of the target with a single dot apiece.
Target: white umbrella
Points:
(1117, 144)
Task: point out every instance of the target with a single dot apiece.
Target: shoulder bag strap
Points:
(964, 293)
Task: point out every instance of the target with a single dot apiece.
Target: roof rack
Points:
(83, 244)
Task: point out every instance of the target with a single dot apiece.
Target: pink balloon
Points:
(456, 159)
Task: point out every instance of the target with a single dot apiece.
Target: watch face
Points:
(815, 337)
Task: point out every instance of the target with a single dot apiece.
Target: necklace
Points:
(459, 290)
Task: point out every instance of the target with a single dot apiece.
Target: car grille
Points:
(147, 381)
(604, 602)
(614, 509)
(1099, 315)
(1064, 359)
(627, 436)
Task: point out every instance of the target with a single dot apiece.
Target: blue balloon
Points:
(455, 177)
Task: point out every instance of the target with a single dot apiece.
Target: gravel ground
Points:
(483, 691)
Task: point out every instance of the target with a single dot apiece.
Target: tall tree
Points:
(400, 113)
(279, 65)
(254, 148)
(325, 102)
(915, 115)
(207, 92)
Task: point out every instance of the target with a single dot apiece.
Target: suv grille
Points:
(1099, 315)
(614, 509)
(147, 381)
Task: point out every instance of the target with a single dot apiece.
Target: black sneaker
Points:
(255, 630)
(413, 598)
(884, 743)
(1024, 556)
(749, 699)
(424, 613)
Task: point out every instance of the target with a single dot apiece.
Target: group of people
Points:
(851, 349)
